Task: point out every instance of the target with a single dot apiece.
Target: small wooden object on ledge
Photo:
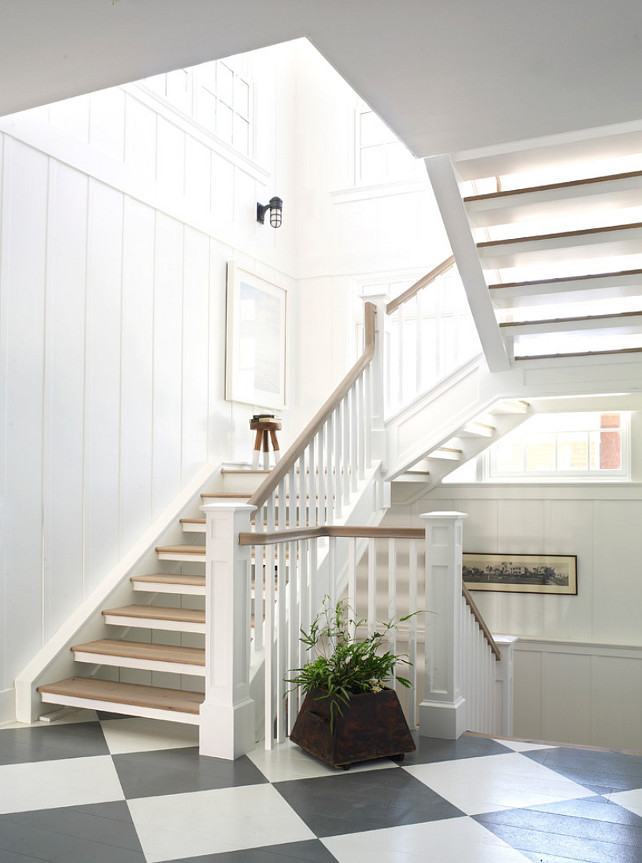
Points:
(266, 427)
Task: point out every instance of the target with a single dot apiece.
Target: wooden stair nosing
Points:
(158, 613)
(632, 275)
(80, 690)
(578, 322)
(169, 653)
(559, 235)
(547, 187)
(196, 550)
(178, 578)
(572, 354)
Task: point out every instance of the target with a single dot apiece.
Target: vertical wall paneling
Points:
(219, 411)
(196, 349)
(168, 317)
(198, 175)
(4, 683)
(618, 711)
(102, 382)
(24, 225)
(140, 139)
(63, 446)
(566, 680)
(136, 372)
(170, 158)
(107, 122)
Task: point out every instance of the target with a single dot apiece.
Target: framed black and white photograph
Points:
(256, 339)
(521, 573)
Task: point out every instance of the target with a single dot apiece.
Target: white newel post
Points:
(504, 683)
(377, 372)
(443, 711)
(227, 726)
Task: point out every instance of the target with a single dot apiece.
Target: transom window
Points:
(380, 156)
(564, 445)
(216, 95)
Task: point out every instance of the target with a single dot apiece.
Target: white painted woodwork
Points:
(227, 726)
(616, 324)
(443, 711)
(444, 184)
(627, 283)
(591, 196)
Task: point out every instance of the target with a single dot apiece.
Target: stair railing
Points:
(314, 483)
(415, 356)
(390, 573)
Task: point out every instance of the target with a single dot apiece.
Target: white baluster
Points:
(355, 431)
(392, 592)
(412, 630)
(312, 485)
(338, 459)
(372, 586)
(331, 483)
(322, 518)
(345, 404)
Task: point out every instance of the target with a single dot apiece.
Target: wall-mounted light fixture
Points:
(276, 212)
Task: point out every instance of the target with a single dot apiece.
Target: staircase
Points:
(160, 636)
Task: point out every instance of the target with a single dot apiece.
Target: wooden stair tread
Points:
(170, 578)
(227, 494)
(157, 612)
(571, 354)
(588, 319)
(181, 549)
(588, 277)
(143, 650)
(547, 187)
(559, 235)
(172, 700)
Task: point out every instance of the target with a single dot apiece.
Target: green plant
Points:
(345, 666)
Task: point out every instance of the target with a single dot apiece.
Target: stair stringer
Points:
(55, 661)
(435, 417)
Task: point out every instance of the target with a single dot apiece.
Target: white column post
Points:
(443, 711)
(227, 717)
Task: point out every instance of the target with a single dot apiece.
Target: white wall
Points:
(117, 219)
(578, 665)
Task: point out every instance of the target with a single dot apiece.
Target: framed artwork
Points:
(256, 333)
(521, 573)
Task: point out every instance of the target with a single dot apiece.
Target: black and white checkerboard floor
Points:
(118, 790)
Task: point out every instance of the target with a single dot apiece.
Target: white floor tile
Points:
(288, 761)
(521, 746)
(493, 782)
(456, 840)
(210, 822)
(52, 784)
(631, 800)
(145, 735)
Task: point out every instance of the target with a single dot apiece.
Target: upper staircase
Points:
(557, 246)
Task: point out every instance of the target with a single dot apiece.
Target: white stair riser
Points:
(190, 527)
(141, 664)
(116, 707)
(181, 558)
(153, 623)
(161, 587)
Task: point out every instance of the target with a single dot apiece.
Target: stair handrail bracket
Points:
(227, 716)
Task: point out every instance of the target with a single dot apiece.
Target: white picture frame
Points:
(256, 336)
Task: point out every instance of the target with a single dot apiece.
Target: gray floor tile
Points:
(602, 772)
(176, 771)
(596, 808)
(291, 852)
(50, 743)
(103, 833)
(567, 837)
(364, 801)
(431, 749)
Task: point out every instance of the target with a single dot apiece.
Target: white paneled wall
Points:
(117, 220)
(578, 663)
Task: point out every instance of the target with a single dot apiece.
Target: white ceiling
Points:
(446, 75)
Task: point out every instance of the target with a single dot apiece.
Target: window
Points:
(381, 157)
(569, 445)
(216, 95)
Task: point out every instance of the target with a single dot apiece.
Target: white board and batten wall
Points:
(117, 222)
(578, 661)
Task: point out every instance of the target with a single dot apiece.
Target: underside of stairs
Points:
(550, 250)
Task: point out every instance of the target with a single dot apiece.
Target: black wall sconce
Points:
(276, 212)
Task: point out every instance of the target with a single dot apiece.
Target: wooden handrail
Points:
(480, 621)
(287, 462)
(410, 292)
(294, 534)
